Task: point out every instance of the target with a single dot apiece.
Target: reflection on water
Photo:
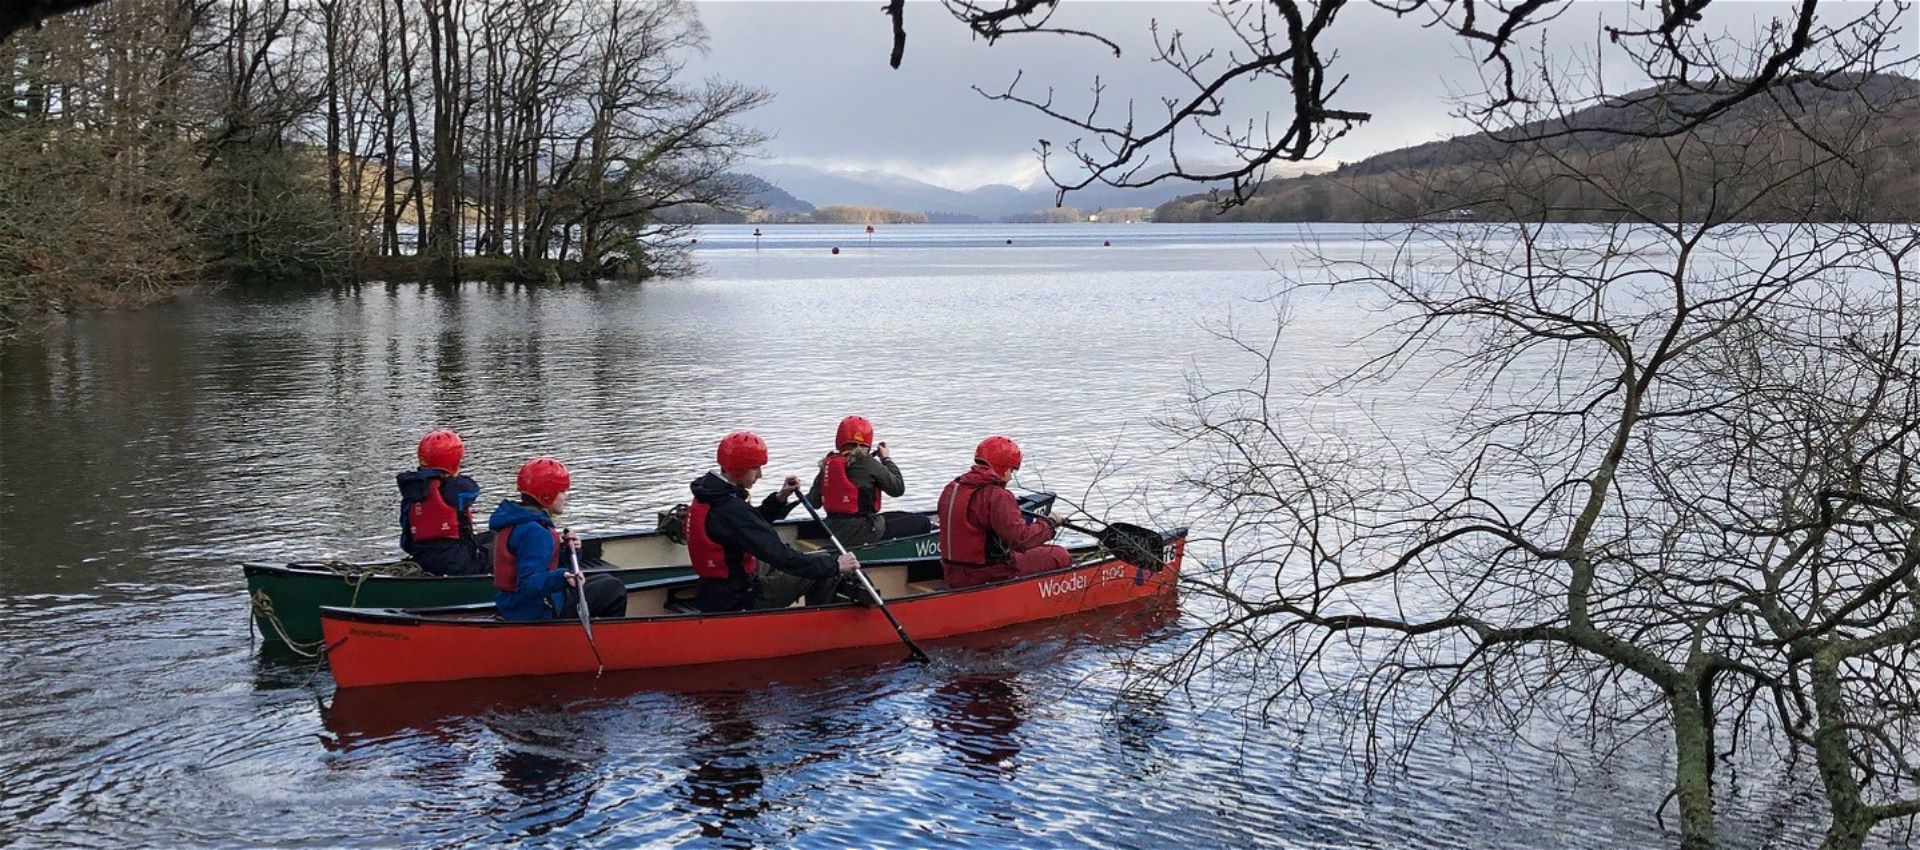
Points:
(722, 788)
(146, 453)
(979, 718)
(543, 763)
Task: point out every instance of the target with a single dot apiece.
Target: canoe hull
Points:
(368, 647)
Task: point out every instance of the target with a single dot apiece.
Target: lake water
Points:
(145, 454)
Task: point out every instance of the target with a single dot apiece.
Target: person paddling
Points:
(737, 553)
(983, 535)
(851, 483)
(532, 575)
(436, 510)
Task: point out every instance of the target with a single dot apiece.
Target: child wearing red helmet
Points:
(436, 510)
(532, 570)
(851, 483)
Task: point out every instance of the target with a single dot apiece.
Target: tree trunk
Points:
(413, 132)
(1693, 769)
(389, 114)
(443, 242)
(1852, 819)
(331, 11)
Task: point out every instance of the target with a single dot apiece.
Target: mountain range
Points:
(872, 188)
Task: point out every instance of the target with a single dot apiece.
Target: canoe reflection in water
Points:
(550, 764)
(722, 788)
(979, 718)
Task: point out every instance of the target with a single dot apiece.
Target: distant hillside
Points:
(1453, 177)
(764, 196)
(986, 203)
(762, 201)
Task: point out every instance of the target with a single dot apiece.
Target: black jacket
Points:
(739, 528)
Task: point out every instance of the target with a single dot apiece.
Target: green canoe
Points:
(286, 599)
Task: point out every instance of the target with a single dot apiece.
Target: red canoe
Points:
(387, 646)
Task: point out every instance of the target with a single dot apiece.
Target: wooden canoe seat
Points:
(889, 579)
(806, 545)
(934, 586)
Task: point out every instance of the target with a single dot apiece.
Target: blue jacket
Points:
(542, 592)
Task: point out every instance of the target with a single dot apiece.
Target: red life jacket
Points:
(961, 541)
(710, 558)
(839, 494)
(432, 518)
(506, 569)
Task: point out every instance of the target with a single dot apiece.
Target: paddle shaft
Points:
(1070, 526)
(1098, 535)
(914, 650)
(580, 589)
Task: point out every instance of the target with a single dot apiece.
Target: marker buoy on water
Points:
(836, 249)
(1009, 241)
(1106, 243)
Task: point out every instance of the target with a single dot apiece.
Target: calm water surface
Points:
(145, 454)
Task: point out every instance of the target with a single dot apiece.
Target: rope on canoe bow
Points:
(355, 575)
(263, 613)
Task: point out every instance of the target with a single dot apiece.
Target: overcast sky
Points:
(838, 105)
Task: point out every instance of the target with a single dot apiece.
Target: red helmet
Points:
(544, 479)
(741, 451)
(999, 453)
(853, 429)
(442, 449)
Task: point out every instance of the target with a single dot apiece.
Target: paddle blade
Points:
(1134, 544)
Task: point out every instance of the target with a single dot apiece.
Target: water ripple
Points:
(163, 447)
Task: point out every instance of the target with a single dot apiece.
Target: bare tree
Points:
(1669, 491)
(648, 142)
(276, 139)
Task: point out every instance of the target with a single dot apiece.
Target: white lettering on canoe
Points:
(1055, 586)
(927, 548)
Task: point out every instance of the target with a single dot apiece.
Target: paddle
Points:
(1130, 543)
(915, 653)
(586, 616)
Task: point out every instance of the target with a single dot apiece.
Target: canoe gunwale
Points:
(250, 570)
(436, 616)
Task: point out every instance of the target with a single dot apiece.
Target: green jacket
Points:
(867, 472)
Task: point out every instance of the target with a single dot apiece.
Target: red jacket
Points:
(992, 512)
